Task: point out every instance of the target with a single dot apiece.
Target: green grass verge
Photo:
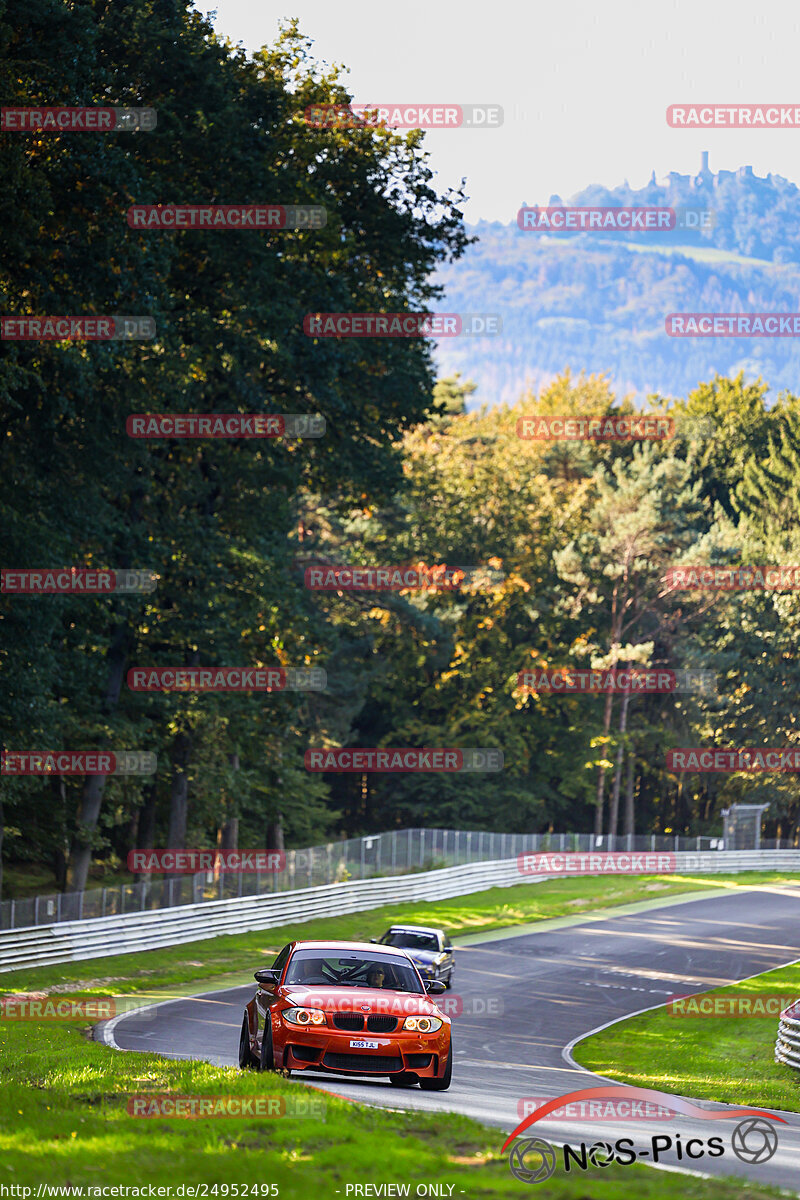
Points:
(64, 1119)
(479, 912)
(707, 254)
(721, 1058)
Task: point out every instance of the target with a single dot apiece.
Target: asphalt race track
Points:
(543, 991)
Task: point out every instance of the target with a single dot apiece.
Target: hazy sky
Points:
(584, 85)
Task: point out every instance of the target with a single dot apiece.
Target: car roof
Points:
(413, 929)
(372, 947)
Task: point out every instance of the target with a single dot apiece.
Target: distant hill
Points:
(597, 301)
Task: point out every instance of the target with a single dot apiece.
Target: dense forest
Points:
(575, 537)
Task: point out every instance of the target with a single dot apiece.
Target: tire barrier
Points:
(787, 1047)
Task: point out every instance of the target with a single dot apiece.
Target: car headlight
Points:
(422, 1024)
(304, 1016)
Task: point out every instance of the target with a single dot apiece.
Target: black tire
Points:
(267, 1052)
(247, 1060)
(440, 1085)
(404, 1079)
(449, 981)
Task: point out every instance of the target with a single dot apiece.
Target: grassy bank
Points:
(64, 1119)
(713, 1058)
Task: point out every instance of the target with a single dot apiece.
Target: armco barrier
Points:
(72, 941)
(787, 1047)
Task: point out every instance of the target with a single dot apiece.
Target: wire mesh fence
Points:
(400, 852)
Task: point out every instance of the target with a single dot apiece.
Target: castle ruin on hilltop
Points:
(706, 178)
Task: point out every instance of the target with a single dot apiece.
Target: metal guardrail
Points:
(125, 933)
(394, 853)
(787, 1047)
(71, 941)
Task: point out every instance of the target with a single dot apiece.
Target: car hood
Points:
(426, 957)
(351, 999)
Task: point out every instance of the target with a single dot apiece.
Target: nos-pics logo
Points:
(533, 1160)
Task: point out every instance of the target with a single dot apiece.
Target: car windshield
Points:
(316, 968)
(410, 941)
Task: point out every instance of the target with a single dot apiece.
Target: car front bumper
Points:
(330, 1050)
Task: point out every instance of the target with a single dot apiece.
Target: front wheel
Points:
(267, 1052)
(448, 983)
(440, 1085)
(247, 1060)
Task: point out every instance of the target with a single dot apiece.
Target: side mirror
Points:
(448, 946)
(267, 979)
(375, 940)
(435, 987)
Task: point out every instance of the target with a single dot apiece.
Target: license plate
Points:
(361, 1044)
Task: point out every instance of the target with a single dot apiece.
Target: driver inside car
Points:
(376, 977)
(306, 970)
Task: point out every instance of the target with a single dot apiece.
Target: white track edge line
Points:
(567, 1055)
